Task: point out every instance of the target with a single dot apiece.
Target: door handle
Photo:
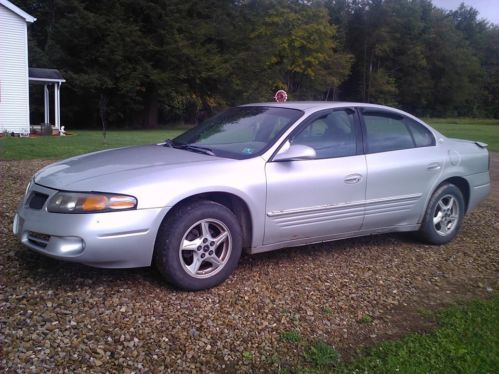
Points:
(434, 166)
(353, 178)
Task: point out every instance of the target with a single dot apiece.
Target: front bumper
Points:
(107, 240)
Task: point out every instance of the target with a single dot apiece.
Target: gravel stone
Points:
(64, 317)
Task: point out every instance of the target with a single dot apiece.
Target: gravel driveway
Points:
(68, 316)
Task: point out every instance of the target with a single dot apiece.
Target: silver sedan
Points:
(257, 177)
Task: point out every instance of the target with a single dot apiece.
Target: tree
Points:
(299, 54)
(144, 62)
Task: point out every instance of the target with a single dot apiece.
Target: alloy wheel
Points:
(446, 215)
(205, 248)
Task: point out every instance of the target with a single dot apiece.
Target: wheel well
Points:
(463, 185)
(234, 203)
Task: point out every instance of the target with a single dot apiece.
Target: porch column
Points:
(57, 108)
(46, 103)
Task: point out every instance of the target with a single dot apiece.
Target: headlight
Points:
(74, 202)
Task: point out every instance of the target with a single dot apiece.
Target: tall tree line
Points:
(138, 63)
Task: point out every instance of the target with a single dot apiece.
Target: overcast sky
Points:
(489, 9)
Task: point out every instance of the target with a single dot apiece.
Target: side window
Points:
(386, 132)
(331, 135)
(422, 136)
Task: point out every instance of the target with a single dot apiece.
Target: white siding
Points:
(14, 85)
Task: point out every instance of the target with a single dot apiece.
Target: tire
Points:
(443, 216)
(198, 246)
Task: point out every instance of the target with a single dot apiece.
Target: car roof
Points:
(318, 105)
(313, 106)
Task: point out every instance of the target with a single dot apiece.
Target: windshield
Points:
(241, 132)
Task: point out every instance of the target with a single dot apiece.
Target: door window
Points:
(386, 132)
(391, 131)
(331, 135)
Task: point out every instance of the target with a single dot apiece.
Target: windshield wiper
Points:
(169, 143)
(190, 147)
(195, 148)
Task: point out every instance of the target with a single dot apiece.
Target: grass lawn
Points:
(466, 341)
(82, 141)
(43, 147)
(484, 130)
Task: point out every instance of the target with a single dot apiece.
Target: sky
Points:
(488, 9)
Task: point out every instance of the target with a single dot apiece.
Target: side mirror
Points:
(295, 152)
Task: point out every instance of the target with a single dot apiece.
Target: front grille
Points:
(38, 239)
(37, 200)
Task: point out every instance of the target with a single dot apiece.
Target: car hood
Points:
(70, 173)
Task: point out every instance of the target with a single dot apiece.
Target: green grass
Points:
(327, 310)
(291, 336)
(463, 121)
(55, 147)
(484, 130)
(247, 356)
(466, 341)
(366, 319)
(321, 355)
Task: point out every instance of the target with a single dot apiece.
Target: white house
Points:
(15, 75)
(14, 78)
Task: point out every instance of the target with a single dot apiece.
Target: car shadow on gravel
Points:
(68, 275)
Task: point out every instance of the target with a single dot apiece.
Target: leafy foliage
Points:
(137, 63)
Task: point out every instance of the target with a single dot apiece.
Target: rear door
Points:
(403, 165)
(324, 196)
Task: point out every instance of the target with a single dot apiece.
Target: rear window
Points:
(422, 136)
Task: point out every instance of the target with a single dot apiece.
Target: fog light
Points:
(67, 245)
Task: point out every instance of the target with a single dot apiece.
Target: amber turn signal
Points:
(94, 203)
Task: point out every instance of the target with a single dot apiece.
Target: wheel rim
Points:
(446, 215)
(205, 248)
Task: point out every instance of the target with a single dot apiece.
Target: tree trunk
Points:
(151, 109)
(103, 101)
(364, 72)
(369, 80)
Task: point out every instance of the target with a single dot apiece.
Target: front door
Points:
(319, 197)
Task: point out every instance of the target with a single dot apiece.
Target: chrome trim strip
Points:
(123, 234)
(350, 211)
(313, 220)
(320, 208)
(482, 185)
